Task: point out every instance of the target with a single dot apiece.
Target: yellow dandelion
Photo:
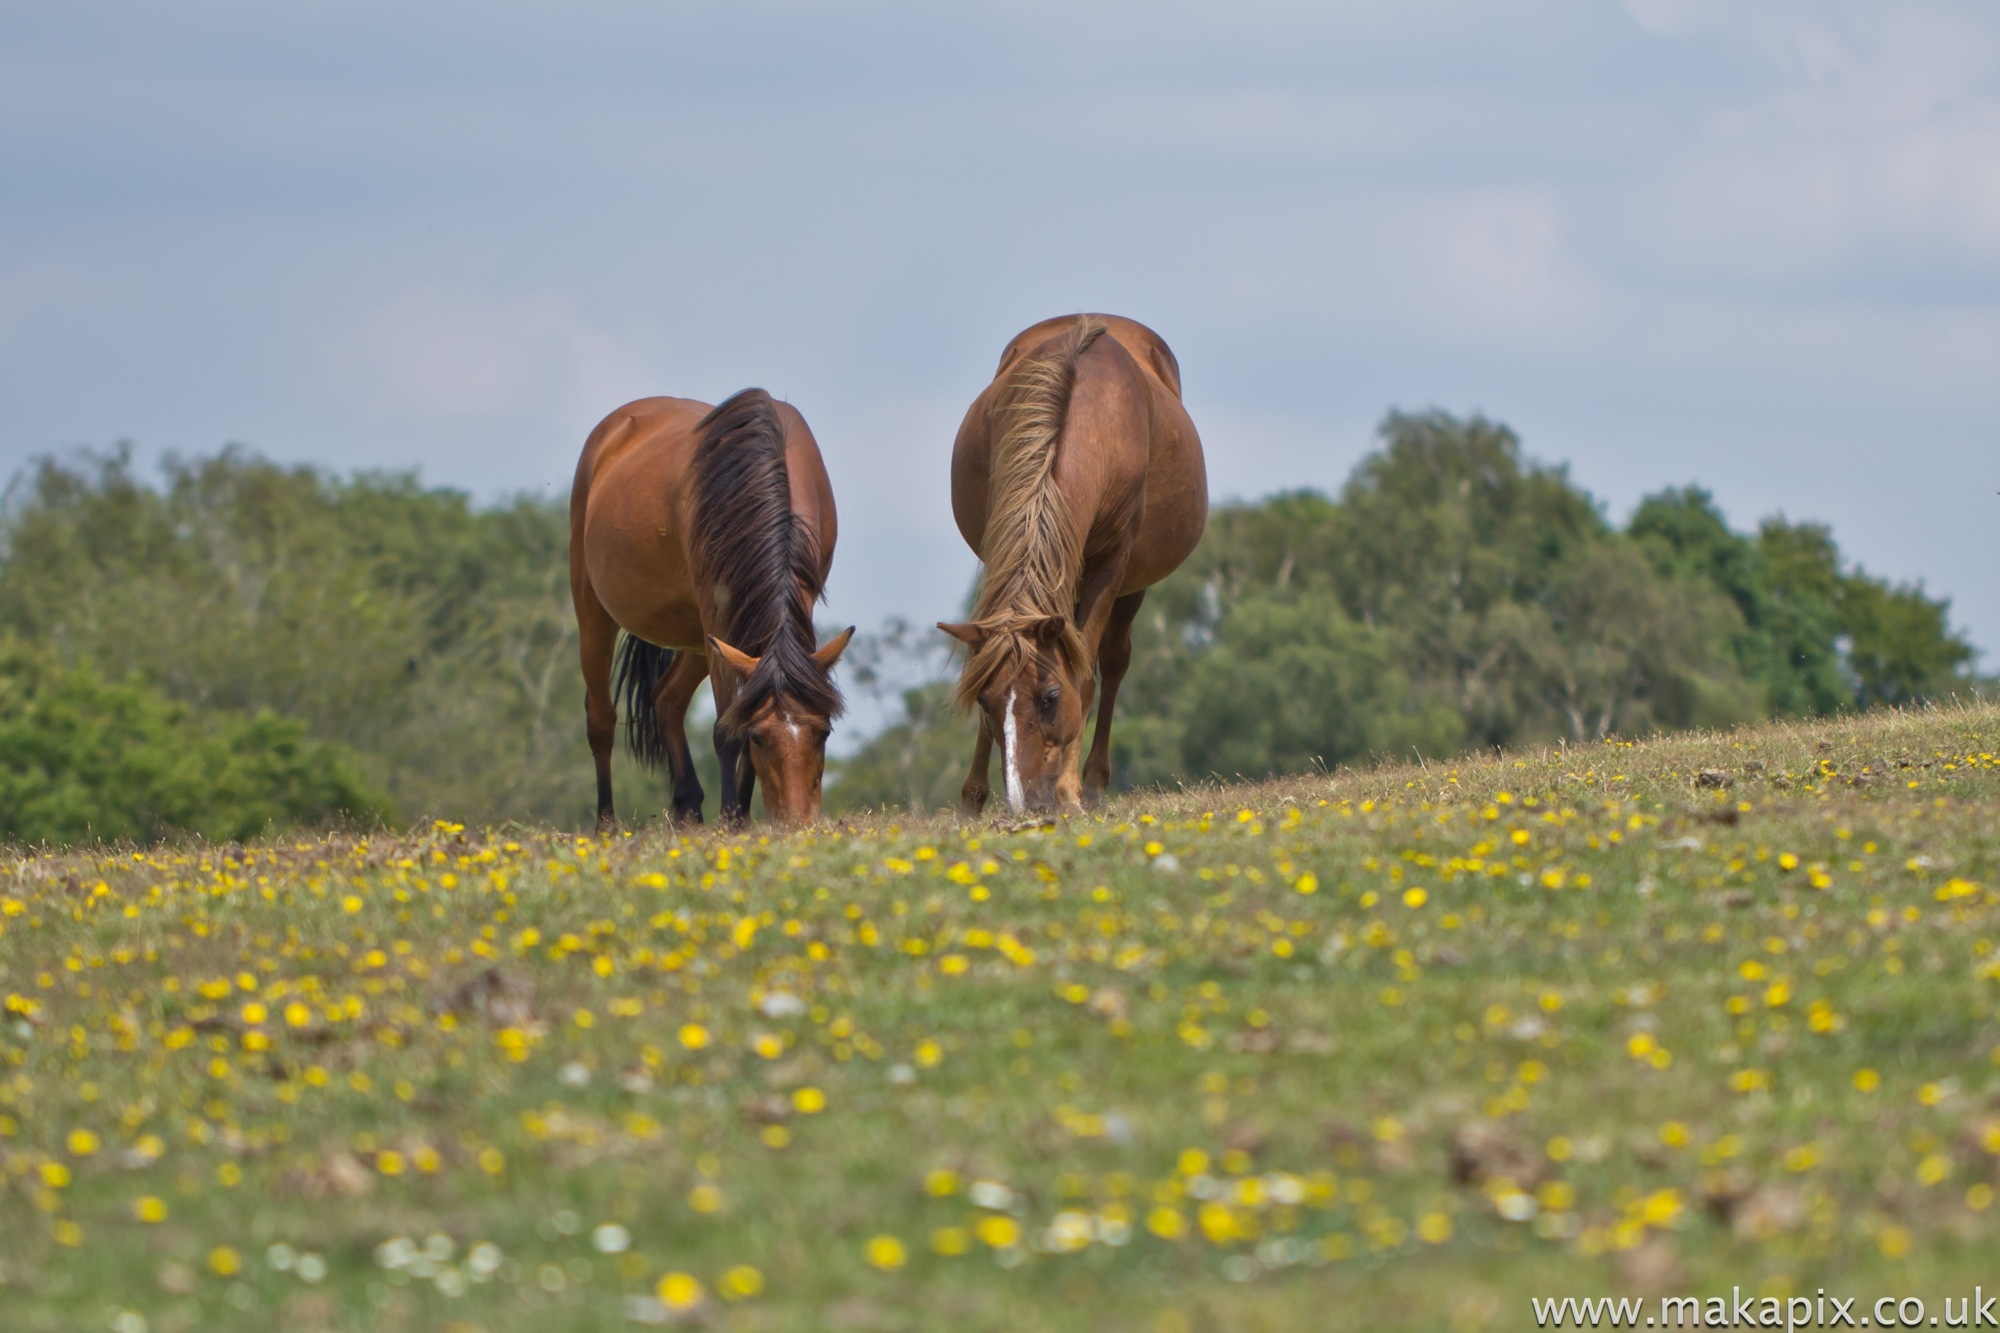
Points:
(809, 1101)
(679, 1292)
(741, 1282)
(886, 1253)
(694, 1036)
(149, 1208)
(225, 1261)
(998, 1230)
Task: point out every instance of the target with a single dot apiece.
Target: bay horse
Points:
(1077, 479)
(706, 534)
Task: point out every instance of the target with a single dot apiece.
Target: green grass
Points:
(1555, 1024)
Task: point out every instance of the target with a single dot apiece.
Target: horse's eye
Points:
(1050, 698)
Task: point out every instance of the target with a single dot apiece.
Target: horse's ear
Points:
(830, 651)
(739, 662)
(969, 635)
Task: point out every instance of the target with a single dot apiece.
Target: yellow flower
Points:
(998, 1230)
(679, 1292)
(886, 1253)
(1434, 1228)
(1166, 1223)
(225, 1261)
(809, 1101)
(951, 1241)
(741, 1282)
(1866, 1080)
(705, 1198)
(389, 1162)
(82, 1143)
(694, 1036)
(149, 1208)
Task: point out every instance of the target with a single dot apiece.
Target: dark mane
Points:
(762, 563)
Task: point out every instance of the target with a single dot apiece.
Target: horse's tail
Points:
(640, 669)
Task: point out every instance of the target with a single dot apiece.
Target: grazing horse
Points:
(706, 534)
(1078, 481)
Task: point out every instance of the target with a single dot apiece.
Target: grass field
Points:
(1402, 1048)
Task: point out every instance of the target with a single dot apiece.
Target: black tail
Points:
(641, 667)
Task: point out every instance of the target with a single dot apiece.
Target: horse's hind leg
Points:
(1114, 657)
(670, 704)
(972, 796)
(597, 638)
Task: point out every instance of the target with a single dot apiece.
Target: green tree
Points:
(1816, 637)
(82, 757)
(1291, 682)
(431, 637)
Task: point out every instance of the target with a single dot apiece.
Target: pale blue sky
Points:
(1754, 246)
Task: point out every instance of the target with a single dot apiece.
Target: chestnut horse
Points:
(1078, 481)
(706, 534)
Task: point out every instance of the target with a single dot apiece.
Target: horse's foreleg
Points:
(670, 704)
(597, 638)
(1114, 657)
(734, 810)
(972, 796)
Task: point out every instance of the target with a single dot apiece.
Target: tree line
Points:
(244, 645)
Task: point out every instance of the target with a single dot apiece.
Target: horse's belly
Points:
(1171, 526)
(639, 576)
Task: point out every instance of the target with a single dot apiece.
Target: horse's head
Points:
(1027, 677)
(785, 727)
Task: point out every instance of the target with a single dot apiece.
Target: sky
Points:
(1750, 246)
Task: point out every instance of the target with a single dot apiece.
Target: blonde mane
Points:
(1033, 548)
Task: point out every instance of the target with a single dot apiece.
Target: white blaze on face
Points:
(1017, 796)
